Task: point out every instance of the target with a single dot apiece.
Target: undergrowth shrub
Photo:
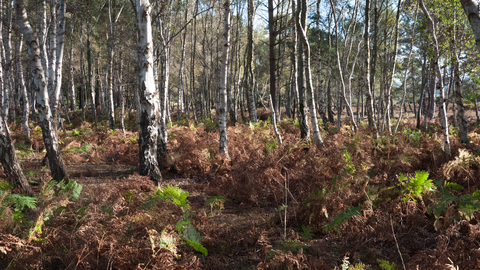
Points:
(414, 187)
(184, 226)
(465, 205)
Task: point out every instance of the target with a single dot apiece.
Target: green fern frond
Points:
(342, 216)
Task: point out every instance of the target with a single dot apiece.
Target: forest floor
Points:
(358, 203)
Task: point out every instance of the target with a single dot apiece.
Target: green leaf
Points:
(21, 201)
(342, 216)
(197, 246)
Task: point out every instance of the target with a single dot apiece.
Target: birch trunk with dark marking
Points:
(274, 122)
(148, 96)
(121, 92)
(222, 105)
(248, 76)
(444, 119)
(308, 77)
(23, 90)
(59, 62)
(180, 101)
(341, 77)
(8, 158)
(369, 99)
(43, 38)
(52, 60)
(71, 80)
(389, 105)
(405, 76)
(472, 11)
(462, 121)
(91, 75)
(7, 75)
(165, 62)
(42, 105)
(302, 110)
(320, 88)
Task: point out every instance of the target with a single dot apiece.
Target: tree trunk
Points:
(311, 94)
(320, 87)
(52, 58)
(23, 90)
(73, 99)
(49, 133)
(8, 158)
(405, 77)
(462, 123)
(389, 105)
(302, 111)
(444, 119)
(342, 81)
(272, 37)
(121, 93)
(7, 75)
(60, 44)
(165, 61)
(274, 122)
(222, 105)
(369, 99)
(248, 76)
(473, 14)
(91, 76)
(148, 96)
(181, 90)
(110, 55)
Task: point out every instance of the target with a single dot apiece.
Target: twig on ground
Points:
(396, 242)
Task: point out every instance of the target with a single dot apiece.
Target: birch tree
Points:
(222, 105)
(50, 139)
(369, 99)
(60, 36)
(148, 96)
(308, 76)
(442, 109)
(248, 77)
(23, 90)
(8, 158)
(472, 11)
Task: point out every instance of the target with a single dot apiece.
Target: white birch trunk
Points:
(369, 96)
(148, 96)
(473, 13)
(59, 63)
(73, 99)
(248, 77)
(42, 103)
(52, 59)
(308, 76)
(110, 55)
(222, 105)
(23, 90)
(43, 38)
(165, 62)
(442, 109)
(7, 87)
(274, 121)
(8, 158)
(405, 76)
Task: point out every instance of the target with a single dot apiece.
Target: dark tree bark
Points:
(148, 96)
(49, 133)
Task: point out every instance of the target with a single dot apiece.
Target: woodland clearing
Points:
(360, 203)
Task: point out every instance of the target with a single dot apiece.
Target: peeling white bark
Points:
(148, 96)
(42, 103)
(222, 105)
